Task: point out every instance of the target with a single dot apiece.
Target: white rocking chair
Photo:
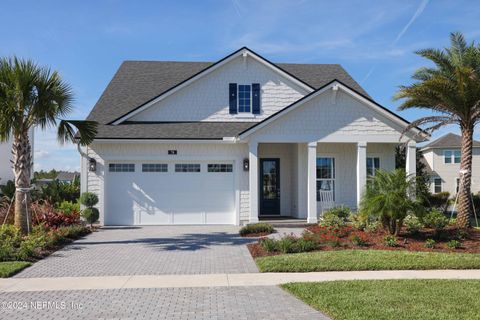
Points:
(326, 200)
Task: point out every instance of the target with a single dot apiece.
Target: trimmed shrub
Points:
(435, 220)
(10, 239)
(454, 244)
(358, 240)
(430, 243)
(256, 228)
(390, 241)
(287, 244)
(68, 207)
(91, 215)
(269, 245)
(342, 212)
(332, 221)
(305, 244)
(412, 224)
(89, 199)
(439, 201)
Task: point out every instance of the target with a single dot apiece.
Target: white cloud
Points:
(41, 154)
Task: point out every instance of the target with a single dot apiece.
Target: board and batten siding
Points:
(105, 153)
(207, 99)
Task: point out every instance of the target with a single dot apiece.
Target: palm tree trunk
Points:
(464, 196)
(22, 166)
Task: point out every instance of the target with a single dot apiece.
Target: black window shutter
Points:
(232, 94)
(255, 98)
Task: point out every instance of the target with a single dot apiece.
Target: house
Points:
(442, 159)
(6, 171)
(236, 140)
(66, 176)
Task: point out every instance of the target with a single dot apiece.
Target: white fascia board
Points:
(337, 85)
(226, 140)
(208, 71)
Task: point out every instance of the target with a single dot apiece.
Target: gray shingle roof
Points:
(137, 82)
(450, 140)
(173, 130)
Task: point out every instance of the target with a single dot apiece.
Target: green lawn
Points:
(349, 260)
(392, 299)
(9, 268)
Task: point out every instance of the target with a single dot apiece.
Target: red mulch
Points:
(375, 240)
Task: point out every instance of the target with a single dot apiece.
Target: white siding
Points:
(346, 163)
(207, 98)
(320, 119)
(449, 172)
(111, 152)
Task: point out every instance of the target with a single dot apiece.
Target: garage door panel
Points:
(170, 197)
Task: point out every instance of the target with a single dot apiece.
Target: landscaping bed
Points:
(347, 237)
(392, 299)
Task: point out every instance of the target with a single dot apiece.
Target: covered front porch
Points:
(300, 180)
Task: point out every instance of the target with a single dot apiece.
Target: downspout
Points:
(83, 171)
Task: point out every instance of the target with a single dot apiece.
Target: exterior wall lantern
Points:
(92, 165)
(246, 164)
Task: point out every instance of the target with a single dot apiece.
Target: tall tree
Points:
(451, 89)
(34, 97)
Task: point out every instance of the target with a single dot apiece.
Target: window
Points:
(154, 167)
(452, 156)
(187, 167)
(437, 185)
(244, 98)
(373, 164)
(220, 167)
(325, 175)
(457, 184)
(121, 167)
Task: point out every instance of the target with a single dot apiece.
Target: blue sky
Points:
(87, 40)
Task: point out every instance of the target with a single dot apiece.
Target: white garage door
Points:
(142, 193)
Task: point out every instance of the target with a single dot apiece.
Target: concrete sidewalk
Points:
(218, 280)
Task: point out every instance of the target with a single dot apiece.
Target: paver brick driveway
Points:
(150, 250)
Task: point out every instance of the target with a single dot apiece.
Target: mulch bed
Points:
(375, 241)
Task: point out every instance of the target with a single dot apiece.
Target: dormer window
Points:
(244, 98)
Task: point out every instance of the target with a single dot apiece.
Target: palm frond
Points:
(87, 131)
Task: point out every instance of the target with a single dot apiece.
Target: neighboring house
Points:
(6, 171)
(442, 159)
(67, 177)
(236, 140)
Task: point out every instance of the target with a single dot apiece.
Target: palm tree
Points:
(451, 89)
(33, 97)
(385, 196)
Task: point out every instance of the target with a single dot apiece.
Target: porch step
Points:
(287, 223)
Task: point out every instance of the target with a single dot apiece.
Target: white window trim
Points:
(334, 173)
(370, 156)
(441, 184)
(452, 157)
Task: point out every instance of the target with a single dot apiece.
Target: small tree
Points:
(90, 213)
(386, 197)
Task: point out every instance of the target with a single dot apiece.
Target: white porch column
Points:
(410, 159)
(253, 180)
(312, 183)
(361, 170)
